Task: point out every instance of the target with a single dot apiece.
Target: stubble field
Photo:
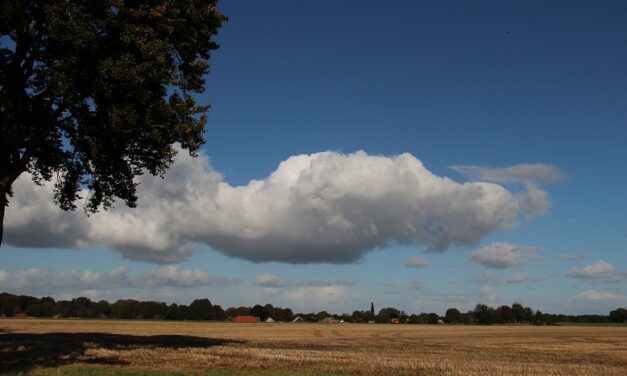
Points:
(140, 347)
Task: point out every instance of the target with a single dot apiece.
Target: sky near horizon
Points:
(420, 155)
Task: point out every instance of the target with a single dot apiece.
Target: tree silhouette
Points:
(95, 93)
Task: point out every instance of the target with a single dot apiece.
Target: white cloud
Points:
(488, 295)
(617, 278)
(273, 281)
(572, 256)
(500, 255)
(486, 279)
(40, 279)
(318, 298)
(417, 262)
(170, 275)
(522, 173)
(599, 269)
(270, 280)
(323, 207)
(416, 285)
(601, 295)
(518, 278)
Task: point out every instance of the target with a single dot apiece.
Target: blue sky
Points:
(484, 84)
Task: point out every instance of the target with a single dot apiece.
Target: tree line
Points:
(202, 309)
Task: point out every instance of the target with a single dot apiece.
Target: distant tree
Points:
(422, 318)
(618, 315)
(124, 309)
(322, 315)
(504, 315)
(433, 318)
(183, 312)
(173, 312)
(34, 310)
(233, 311)
(360, 316)
(452, 316)
(386, 314)
(47, 306)
(95, 93)
(412, 319)
(200, 309)
(262, 312)
(521, 315)
(484, 315)
(371, 311)
(103, 309)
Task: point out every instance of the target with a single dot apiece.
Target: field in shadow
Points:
(23, 351)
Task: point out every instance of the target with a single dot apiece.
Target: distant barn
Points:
(298, 319)
(243, 318)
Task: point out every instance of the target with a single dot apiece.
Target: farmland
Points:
(41, 346)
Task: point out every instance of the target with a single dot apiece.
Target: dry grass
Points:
(345, 349)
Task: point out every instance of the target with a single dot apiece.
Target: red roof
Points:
(246, 319)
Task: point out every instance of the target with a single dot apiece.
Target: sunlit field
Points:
(140, 347)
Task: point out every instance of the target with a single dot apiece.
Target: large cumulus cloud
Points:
(323, 207)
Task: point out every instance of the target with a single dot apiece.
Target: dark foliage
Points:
(202, 309)
(95, 93)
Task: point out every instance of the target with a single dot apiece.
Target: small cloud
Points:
(488, 294)
(599, 269)
(417, 262)
(617, 278)
(317, 298)
(518, 278)
(38, 280)
(416, 285)
(270, 280)
(522, 173)
(486, 279)
(600, 295)
(174, 277)
(500, 255)
(273, 281)
(572, 256)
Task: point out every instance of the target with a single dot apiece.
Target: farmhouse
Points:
(243, 318)
(298, 319)
(329, 320)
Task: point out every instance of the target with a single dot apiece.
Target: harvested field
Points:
(41, 346)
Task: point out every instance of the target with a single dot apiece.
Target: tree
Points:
(200, 309)
(386, 314)
(433, 318)
(519, 313)
(95, 93)
(485, 315)
(260, 311)
(505, 315)
(452, 316)
(618, 315)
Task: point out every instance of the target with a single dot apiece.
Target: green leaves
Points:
(97, 92)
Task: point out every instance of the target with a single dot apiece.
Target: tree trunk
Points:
(3, 205)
